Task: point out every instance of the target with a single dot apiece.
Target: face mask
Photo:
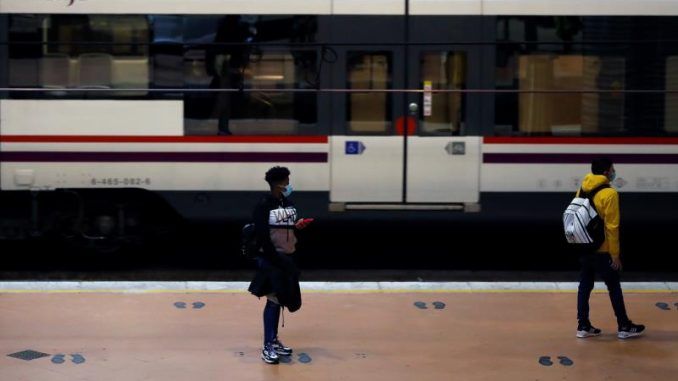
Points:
(287, 191)
(613, 176)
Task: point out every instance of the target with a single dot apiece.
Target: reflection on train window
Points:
(236, 62)
(369, 112)
(671, 99)
(570, 113)
(124, 35)
(167, 54)
(259, 109)
(80, 51)
(442, 113)
(608, 53)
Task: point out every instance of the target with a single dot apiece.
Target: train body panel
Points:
(373, 173)
(558, 164)
(443, 169)
(42, 117)
(362, 165)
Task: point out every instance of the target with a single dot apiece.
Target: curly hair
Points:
(276, 175)
(600, 165)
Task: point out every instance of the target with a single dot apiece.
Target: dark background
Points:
(516, 236)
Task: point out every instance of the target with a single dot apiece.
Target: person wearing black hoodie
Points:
(276, 222)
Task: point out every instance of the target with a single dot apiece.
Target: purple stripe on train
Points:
(180, 157)
(577, 158)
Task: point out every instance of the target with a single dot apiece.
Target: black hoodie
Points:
(274, 230)
(274, 221)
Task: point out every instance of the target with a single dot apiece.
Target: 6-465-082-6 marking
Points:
(117, 181)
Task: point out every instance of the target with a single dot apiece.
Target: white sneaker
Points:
(630, 330)
(590, 331)
(268, 355)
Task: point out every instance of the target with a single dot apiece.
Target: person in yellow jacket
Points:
(605, 261)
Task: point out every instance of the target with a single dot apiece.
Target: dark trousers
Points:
(271, 320)
(599, 263)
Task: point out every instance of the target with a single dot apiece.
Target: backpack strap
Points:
(590, 195)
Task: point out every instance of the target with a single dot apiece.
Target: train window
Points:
(228, 53)
(24, 50)
(569, 113)
(369, 112)
(597, 63)
(167, 54)
(252, 104)
(442, 113)
(671, 99)
(84, 34)
(80, 51)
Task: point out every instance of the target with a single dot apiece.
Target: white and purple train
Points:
(380, 104)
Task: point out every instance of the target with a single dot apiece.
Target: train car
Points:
(381, 104)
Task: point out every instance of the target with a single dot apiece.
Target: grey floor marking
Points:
(28, 355)
(59, 359)
(304, 358)
(545, 361)
(420, 305)
(663, 306)
(180, 305)
(564, 360)
(78, 358)
(438, 305)
(198, 305)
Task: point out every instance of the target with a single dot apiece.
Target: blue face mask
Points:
(287, 191)
(613, 176)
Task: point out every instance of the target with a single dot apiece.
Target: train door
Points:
(367, 152)
(443, 156)
(410, 149)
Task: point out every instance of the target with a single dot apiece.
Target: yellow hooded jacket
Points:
(606, 202)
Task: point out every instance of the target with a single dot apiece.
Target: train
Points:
(107, 107)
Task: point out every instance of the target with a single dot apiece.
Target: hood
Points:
(592, 181)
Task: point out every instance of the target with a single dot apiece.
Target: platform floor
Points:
(336, 336)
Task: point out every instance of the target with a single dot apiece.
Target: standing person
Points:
(277, 278)
(605, 262)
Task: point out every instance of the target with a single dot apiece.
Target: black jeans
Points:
(599, 263)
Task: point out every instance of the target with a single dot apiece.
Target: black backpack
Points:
(248, 242)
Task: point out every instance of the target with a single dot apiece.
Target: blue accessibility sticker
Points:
(354, 147)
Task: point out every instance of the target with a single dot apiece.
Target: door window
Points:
(369, 112)
(442, 113)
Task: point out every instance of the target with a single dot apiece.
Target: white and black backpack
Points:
(584, 229)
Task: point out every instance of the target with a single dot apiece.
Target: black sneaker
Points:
(281, 349)
(269, 355)
(584, 331)
(630, 330)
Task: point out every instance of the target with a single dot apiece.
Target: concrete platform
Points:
(343, 335)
